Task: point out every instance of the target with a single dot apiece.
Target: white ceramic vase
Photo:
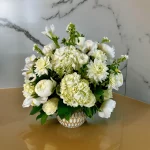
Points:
(76, 120)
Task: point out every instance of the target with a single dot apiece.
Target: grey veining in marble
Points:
(126, 23)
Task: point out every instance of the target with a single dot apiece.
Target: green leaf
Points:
(98, 92)
(65, 111)
(44, 118)
(90, 111)
(35, 109)
(39, 116)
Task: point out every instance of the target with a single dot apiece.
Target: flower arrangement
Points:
(77, 74)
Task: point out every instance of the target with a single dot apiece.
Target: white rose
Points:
(50, 106)
(45, 88)
(48, 49)
(107, 108)
(34, 101)
(80, 41)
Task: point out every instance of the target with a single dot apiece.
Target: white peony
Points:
(76, 91)
(115, 81)
(97, 71)
(108, 94)
(50, 106)
(49, 31)
(45, 88)
(34, 101)
(28, 90)
(48, 49)
(109, 51)
(42, 65)
(107, 108)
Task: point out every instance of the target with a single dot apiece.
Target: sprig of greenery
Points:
(37, 49)
(105, 40)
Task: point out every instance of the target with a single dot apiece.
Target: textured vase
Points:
(76, 120)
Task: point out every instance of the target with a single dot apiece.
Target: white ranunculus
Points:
(109, 51)
(42, 65)
(80, 41)
(45, 88)
(31, 77)
(49, 31)
(48, 49)
(50, 106)
(115, 81)
(34, 101)
(107, 108)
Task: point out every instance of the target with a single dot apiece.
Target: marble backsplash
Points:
(126, 23)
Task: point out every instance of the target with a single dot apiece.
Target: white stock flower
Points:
(98, 54)
(97, 71)
(115, 81)
(45, 88)
(49, 31)
(48, 49)
(31, 77)
(76, 91)
(109, 51)
(34, 101)
(42, 65)
(50, 106)
(108, 94)
(107, 108)
(28, 90)
(66, 59)
(125, 56)
(80, 41)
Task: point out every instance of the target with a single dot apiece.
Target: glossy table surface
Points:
(127, 129)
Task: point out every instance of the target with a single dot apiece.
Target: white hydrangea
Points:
(109, 51)
(115, 81)
(97, 71)
(108, 94)
(48, 49)
(50, 106)
(107, 108)
(42, 65)
(45, 88)
(76, 91)
(28, 90)
(98, 54)
(68, 58)
(34, 101)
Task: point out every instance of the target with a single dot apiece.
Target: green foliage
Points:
(65, 111)
(73, 35)
(37, 49)
(83, 71)
(90, 111)
(44, 118)
(35, 109)
(98, 92)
